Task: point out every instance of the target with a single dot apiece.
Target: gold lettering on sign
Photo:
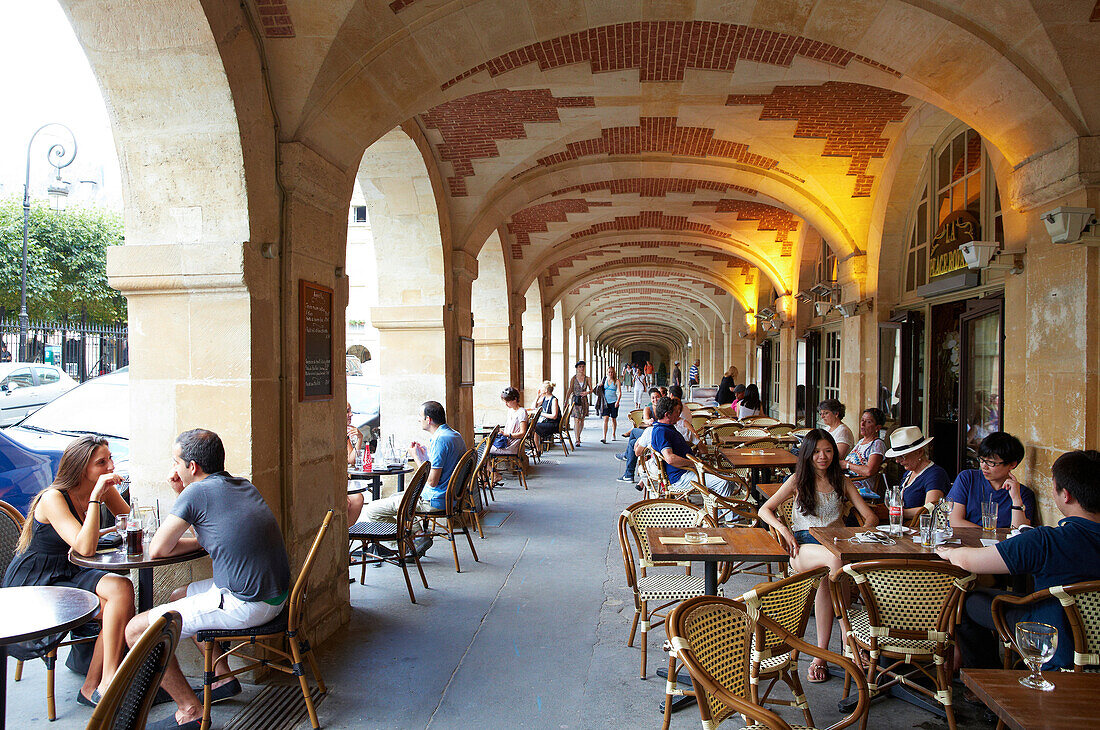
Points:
(956, 229)
(948, 262)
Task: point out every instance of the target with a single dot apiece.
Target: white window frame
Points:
(830, 363)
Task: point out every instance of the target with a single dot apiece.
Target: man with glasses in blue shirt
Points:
(998, 454)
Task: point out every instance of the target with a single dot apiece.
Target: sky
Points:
(49, 80)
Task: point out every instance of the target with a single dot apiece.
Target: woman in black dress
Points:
(66, 515)
(725, 387)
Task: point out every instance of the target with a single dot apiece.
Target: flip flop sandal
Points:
(813, 677)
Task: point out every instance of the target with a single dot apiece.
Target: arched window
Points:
(957, 202)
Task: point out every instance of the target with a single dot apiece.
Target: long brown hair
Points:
(805, 475)
(74, 461)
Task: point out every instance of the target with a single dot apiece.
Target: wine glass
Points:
(120, 527)
(1036, 643)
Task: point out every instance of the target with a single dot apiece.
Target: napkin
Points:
(711, 540)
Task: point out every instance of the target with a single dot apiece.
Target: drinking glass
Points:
(1036, 643)
(927, 534)
(120, 528)
(989, 515)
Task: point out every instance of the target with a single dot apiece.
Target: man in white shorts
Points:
(251, 571)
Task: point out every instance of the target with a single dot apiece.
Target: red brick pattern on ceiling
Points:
(471, 126)
(770, 217)
(651, 219)
(629, 286)
(535, 218)
(664, 135)
(275, 18)
(849, 117)
(664, 50)
(654, 187)
(669, 264)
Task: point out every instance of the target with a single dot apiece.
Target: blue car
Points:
(23, 472)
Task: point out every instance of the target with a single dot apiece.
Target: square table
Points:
(741, 544)
(758, 459)
(835, 540)
(1068, 705)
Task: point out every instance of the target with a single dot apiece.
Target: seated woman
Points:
(866, 457)
(923, 482)
(750, 404)
(831, 412)
(515, 424)
(66, 515)
(998, 454)
(549, 413)
(355, 444)
(819, 490)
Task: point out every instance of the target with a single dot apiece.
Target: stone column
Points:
(788, 363)
(460, 399)
(556, 335)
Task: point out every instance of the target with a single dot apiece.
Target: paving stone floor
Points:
(532, 636)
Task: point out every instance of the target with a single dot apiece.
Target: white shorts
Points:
(209, 607)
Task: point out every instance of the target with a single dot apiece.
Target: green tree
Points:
(66, 261)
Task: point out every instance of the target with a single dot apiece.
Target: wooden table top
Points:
(903, 547)
(118, 560)
(1067, 706)
(400, 469)
(742, 439)
(28, 612)
(769, 490)
(740, 458)
(742, 543)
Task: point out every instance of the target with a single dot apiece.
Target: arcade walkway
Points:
(532, 636)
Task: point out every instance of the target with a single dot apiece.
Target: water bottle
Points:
(894, 504)
(945, 525)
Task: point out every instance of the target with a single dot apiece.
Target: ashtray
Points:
(695, 537)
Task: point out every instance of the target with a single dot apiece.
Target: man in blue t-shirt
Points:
(674, 450)
(1053, 556)
(443, 451)
(998, 454)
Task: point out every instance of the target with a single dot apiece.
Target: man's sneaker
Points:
(625, 478)
(620, 457)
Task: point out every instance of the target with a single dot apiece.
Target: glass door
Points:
(981, 380)
(813, 377)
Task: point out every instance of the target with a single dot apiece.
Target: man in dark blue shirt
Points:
(674, 450)
(1053, 556)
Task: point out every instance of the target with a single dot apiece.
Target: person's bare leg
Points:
(613, 427)
(578, 424)
(117, 596)
(220, 667)
(605, 420)
(188, 705)
(355, 507)
(809, 557)
(95, 670)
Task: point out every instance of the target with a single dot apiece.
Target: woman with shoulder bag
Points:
(612, 393)
(580, 387)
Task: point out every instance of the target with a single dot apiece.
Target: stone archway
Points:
(493, 333)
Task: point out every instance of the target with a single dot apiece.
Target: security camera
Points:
(978, 254)
(821, 309)
(1067, 225)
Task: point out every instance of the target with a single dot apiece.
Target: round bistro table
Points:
(31, 612)
(117, 561)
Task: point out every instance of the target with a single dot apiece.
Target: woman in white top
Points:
(515, 424)
(866, 457)
(819, 490)
(831, 411)
(750, 404)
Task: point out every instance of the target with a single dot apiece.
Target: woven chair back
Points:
(528, 433)
(461, 478)
(698, 421)
(635, 417)
(406, 522)
(693, 406)
(718, 633)
(481, 458)
(787, 602)
(125, 705)
(909, 599)
(799, 432)
(764, 442)
(780, 429)
(653, 466)
(298, 592)
(752, 432)
(726, 411)
(1084, 617)
(640, 516)
(761, 421)
(717, 433)
(11, 525)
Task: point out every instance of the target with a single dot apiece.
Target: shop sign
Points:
(958, 228)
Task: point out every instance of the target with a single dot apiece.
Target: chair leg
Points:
(207, 681)
(18, 670)
(307, 650)
(943, 689)
(670, 684)
(51, 662)
(633, 626)
(643, 640)
(294, 650)
(405, 571)
(419, 568)
(792, 680)
(454, 547)
(522, 475)
(470, 540)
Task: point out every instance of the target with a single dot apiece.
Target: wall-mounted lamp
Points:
(1072, 225)
(744, 334)
(980, 254)
(851, 309)
(829, 290)
(750, 319)
(805, 296)
(822, 308)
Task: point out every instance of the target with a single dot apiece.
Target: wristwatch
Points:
(1019, 508)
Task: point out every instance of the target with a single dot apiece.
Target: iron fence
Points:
(82, 349)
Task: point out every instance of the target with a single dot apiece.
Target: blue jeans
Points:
(803, 537)
(631, 459)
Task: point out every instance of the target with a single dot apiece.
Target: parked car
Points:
(23, 472)
(100, 406)
(27, 386)
(363, 397)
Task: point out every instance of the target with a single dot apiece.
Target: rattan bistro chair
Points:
(713, 637)
(455, 507)
(636, 417)
(482, 478)
(787, 602)
(403, 533)
(1081, 603)
(126, 703)
(654, 477)
(11, 525)
(565, 426)
(733, 511)
(286, 627)
(907, 620)
(663, 588)
(517, 462)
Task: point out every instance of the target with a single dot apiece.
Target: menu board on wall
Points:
(315, 372)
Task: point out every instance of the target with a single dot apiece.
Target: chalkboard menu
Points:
(315, 372)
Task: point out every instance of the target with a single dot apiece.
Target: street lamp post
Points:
(58, 156)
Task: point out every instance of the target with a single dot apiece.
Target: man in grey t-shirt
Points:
(251, 571)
